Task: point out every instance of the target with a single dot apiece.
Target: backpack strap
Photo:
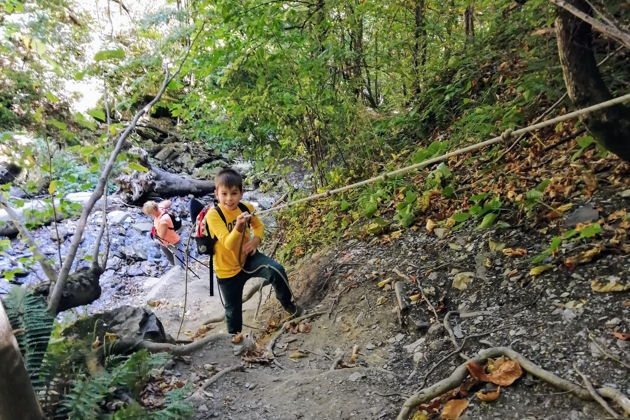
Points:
(243, 207)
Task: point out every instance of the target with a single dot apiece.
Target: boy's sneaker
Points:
(294, 310)
(237, 338)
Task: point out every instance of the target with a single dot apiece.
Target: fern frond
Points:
(28, 312)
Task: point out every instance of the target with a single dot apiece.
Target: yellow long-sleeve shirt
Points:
(226, 250)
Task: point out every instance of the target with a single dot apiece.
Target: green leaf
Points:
(135, 166)
(487, 221)
(97, 113)
(52, 187)
(116, 54)
(344, 205)
(461, 216)
(590, 231)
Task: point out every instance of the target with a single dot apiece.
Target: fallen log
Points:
(137, 187)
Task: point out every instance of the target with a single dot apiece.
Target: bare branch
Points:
(605, 29)
(28, 238)
(62, 278)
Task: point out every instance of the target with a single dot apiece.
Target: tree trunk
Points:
(17, 397)
(585, 85)
(81, 289)
(420, 44)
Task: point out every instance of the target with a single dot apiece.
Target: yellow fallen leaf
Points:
(518, 252)
(355, 353)
(381, 300)
(575, 304)
(538, 270)
(382, 283)
(453, 409)
(564, 208)
(461, 280)
(450, 222)
(430, 225)
(415, 298)
(612, 286)
(496, 246)
(420, 415)
(297, 355)
(111, 336)
(396, 235)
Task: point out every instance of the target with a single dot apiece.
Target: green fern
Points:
(28, 312)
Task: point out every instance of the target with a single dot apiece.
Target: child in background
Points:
(236, 255)
(166, 236)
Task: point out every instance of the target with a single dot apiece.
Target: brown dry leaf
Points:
(622, 336)
(506, 373)
(612, 286)
(619, 214)
(493, 364)
(627, 303)
(518, 252)
(304, 327)
(477, 371)
(583, 257)
(381, 300)
(453, 409)
(488, 396)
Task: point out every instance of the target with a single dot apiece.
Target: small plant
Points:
(580, 232)
(484, 208)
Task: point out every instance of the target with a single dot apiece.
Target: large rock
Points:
(128, 325)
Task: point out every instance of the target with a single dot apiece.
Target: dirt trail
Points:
(555, 319)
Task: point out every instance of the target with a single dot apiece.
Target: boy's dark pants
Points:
(232, 288)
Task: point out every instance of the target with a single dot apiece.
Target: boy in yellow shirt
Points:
(236, 258)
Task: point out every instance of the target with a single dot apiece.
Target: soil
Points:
(555, 319)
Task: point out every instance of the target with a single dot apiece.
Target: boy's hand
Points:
(241, 221)
(249, 248)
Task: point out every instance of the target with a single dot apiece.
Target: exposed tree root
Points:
(278, 333)
(180, 350)
(221, 373)
(461, 372)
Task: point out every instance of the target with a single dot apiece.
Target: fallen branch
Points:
(460, 373)
(218, 375)
(595, 395)
(278, 333)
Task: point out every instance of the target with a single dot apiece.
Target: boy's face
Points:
(228, 197)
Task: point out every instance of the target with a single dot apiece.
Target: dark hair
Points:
(228, 177)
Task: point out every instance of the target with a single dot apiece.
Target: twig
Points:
(337, 360)
(218, 375)
(448, 328)
(461, 372)
(324, 355)
(605, 353)
(278, 333)
(594, 394)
